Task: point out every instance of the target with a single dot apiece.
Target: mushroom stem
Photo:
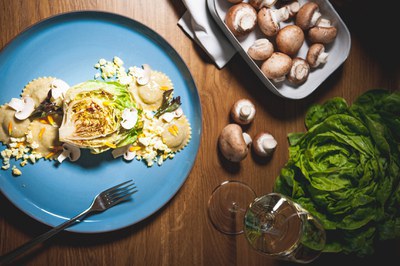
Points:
(245, 112)
(247, 138)
(281, 14)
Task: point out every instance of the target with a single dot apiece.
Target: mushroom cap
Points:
(306, 15)
(277, 66)
(241, 19)
(290, 39)
(319, 34)
(314, 53)
(264, 144)
(266, 22)
(261, 49)
(232, 143)
(299, 71)
(257, 4)
(243, 111)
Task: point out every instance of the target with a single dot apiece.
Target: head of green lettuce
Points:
(92, 116)
(345, 170)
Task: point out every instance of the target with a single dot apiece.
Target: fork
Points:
(103, 201)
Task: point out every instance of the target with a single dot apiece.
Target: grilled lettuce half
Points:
(93, 113)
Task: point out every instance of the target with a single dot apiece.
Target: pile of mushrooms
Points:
(234, 143)
(277, 51)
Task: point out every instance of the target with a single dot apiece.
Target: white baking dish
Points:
(338, 50)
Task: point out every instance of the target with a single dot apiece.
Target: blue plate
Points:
(67, 46)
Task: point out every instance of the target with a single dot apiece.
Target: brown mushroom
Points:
(261, 49)
(308, 15)
(243, 111)
(277, 66)
(264, 144)
(234, 143)
(269, 19)
(323, 32)
(258, 4)
(241, 19)
(293, 6)
(299, 71)
(290, 39)
(316, 55)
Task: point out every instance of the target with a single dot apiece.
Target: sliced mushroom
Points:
(261, 49)
(243, 111)
(269, 19)
(241, 19)
(264, 144)
(234, 143)
(258, 4)
(69, 151)
(144, 77)
(277, 66)
(299, 71)
(316, 55)
(308, 15)
(323, 32)
(129, 118)
(24, 107)
(290, 39)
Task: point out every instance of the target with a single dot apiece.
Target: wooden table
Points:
(180, 233)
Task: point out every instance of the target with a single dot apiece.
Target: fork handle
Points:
(9, 257)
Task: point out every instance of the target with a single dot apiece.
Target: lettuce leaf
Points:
(346, 170)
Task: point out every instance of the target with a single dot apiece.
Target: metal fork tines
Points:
(103, 201)
(114, 195)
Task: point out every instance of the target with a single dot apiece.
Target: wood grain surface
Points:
(180, 233)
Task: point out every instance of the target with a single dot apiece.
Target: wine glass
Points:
(273, 224)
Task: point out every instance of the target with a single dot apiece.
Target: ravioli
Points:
(11, 126)
(46, 137)
(38, 89)
(149, 97)
(177, 133)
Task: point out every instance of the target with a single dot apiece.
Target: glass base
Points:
(227, 206)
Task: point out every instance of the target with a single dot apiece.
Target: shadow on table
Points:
(32, 228)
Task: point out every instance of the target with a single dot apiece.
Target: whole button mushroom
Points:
(299, 71)
(261, 49)
(316, 55)
(264, 144)
(243, 112)
(277, 66)
(290, 39)
(241, 19)
(234, 143)
(269, 19)
(323, 32)
(308, 15)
